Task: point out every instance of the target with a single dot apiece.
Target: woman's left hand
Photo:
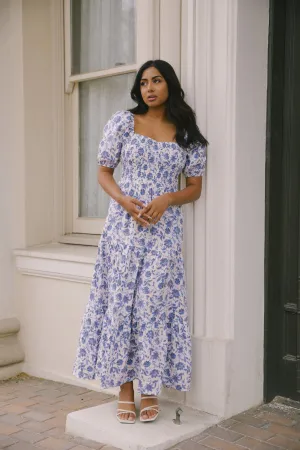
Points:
(155, 209)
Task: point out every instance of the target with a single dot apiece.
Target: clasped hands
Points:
(148, 214)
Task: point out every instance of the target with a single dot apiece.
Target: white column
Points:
(224, 68)
(246, 371)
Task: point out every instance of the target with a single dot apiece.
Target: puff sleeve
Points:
(110, 146)
(195, 160)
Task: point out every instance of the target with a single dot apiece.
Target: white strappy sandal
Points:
(148, 408)
(121, 411)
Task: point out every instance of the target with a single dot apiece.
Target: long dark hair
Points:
(178, 111)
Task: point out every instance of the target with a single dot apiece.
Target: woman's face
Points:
(154, 88)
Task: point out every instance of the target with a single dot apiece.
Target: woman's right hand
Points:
(130, 204)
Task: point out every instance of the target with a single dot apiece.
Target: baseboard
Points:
(68, 379)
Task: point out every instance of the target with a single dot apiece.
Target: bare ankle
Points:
(126, 387)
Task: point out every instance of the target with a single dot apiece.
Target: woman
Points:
(136, 320)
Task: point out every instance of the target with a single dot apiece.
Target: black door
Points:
(282, 276)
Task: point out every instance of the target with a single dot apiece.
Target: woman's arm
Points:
(190, 193)
(109, 185)
(155, 209)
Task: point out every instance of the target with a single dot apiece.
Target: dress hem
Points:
(140, 391)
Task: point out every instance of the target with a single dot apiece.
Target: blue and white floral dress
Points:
(136, 320)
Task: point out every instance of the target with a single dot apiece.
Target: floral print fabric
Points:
(136, 320)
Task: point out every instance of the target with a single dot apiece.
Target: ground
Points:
(33, 414)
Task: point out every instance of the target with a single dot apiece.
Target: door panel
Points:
(282, 313)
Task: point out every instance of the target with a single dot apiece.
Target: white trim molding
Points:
(58, 119)
(58, 261)
(221, 183)
(67, 38)
(170, 33)
(187, 77)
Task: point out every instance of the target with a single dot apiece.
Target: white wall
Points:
(50, 313)
(26, 152)
(38, 120)
(11, 147)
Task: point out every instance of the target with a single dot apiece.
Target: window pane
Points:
(99, 99)
(103, 34)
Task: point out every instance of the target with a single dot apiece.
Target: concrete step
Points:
(101, 425)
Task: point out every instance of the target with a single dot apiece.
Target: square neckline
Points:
(148, 137)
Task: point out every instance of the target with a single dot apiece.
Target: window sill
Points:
(58, 261)
(80, 239)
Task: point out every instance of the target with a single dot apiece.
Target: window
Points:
(105, 43)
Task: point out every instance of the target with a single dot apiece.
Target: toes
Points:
(127, 416)
(149, 414)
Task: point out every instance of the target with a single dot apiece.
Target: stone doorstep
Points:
(100, 424)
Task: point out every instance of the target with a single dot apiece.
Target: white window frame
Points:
(147, 25)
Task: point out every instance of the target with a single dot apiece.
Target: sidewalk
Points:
(33, 414)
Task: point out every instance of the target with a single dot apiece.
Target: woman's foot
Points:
(145, 402)
(126, 394)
